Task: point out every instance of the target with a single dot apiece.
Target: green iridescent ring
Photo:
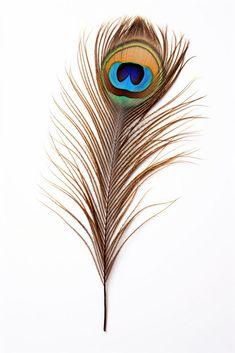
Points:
(132, 73)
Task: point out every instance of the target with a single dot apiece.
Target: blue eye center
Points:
(135, 71)
(129, 77)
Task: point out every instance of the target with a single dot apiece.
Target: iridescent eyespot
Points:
(132, 73)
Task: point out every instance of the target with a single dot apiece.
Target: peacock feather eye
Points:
(132, 73)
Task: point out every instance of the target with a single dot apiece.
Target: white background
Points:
(173, 288)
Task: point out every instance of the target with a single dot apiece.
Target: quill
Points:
(109, 140)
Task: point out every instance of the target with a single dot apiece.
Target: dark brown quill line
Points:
(119, 143)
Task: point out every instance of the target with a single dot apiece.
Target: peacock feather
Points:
(111, 134)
